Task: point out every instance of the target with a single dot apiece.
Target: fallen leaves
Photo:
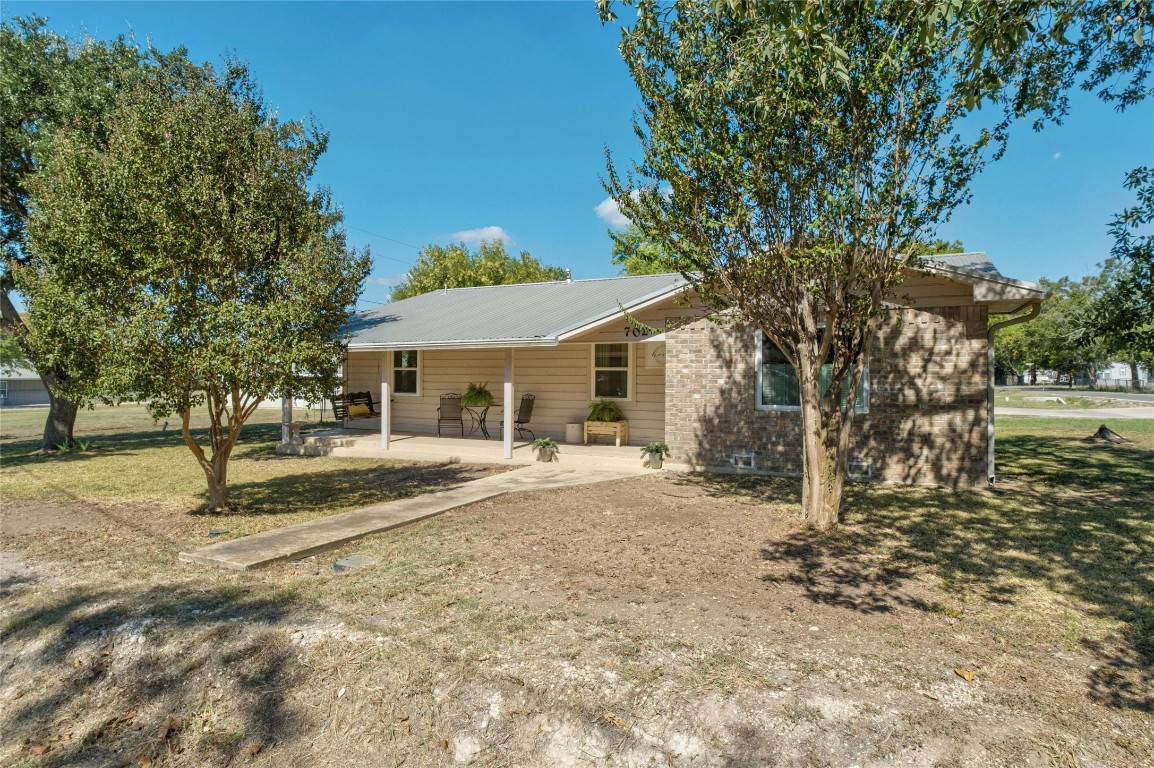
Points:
(965, 674)
(169, 726)
(38, 749)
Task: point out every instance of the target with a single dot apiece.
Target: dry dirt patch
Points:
(655, 621)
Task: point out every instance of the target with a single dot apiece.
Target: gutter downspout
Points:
(1035, 308)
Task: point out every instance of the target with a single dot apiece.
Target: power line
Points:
(390, 239)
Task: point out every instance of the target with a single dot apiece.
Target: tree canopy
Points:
(183, 259)
(795, 154)
(47, 82)
(796, 194)
(1123, 312)
(455, 266)
(638, 255)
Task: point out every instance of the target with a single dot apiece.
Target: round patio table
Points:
(478, 416)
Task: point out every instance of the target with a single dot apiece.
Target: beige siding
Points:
(559, 377)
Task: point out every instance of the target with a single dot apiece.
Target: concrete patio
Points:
(469, 450)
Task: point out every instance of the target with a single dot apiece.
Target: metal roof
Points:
(530, 314)
(19, 374)
(504, 315)
(998, 292)
(977, 262)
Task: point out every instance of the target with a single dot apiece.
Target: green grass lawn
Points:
(132, 466)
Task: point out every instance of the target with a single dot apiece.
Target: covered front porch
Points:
(408, 446)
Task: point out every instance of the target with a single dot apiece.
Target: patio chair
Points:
(522, 417)
(449, 412)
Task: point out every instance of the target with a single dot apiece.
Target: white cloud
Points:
(609, 213)
(475, 236)
(1057, 155)
(388, 282)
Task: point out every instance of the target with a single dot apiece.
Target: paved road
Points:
(1101, 414)
(1138, 397)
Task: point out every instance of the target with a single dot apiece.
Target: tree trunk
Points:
(215, 468)
(61, 419)
(1134, 383)
(216, 472)
(824, 471)
(60, 423)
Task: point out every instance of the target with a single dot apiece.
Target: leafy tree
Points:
(638, 255)
(938, 247)
(1062, 339)
(11, 355)
(1025, 55)
(185, 261)
(1123, 312)
(808, 145)
(47, 81)
(455, 266)
(800, 192)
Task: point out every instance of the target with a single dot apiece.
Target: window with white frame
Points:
(612, 369)
(4, 390)
(406, 372)
(778, 388)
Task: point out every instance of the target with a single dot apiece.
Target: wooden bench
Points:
(341, 405)
(616, 429)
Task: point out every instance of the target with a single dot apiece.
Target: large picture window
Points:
(406, 372)
(612, 366)
(778, 388)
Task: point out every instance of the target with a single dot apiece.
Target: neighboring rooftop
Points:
(19, 374)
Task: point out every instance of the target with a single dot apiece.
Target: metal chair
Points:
(522, 417)
(449, 411)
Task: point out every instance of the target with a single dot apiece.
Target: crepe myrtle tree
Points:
(794, 190)
(185, 260)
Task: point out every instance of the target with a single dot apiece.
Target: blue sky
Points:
(450, 120)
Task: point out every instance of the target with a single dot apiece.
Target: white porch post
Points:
(286, 418)
(509, 408)
(386, 403)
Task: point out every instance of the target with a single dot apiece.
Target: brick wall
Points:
(927, 406)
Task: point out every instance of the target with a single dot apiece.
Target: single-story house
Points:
(22, 386)
(719, 394)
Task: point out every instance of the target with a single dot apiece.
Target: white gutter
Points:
(1035, 308)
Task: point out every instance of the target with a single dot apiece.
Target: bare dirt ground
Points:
(659, 621)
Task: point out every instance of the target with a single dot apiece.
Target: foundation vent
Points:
(859, 470)
(745, 460)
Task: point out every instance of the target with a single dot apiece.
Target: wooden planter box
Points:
(615, 429)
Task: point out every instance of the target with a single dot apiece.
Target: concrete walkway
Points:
(1101, 414)
(296, 541)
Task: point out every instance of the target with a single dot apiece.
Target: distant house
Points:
(720, 395)
(21, 386)
(1120, 375)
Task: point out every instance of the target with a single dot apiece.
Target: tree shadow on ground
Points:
(347, 488)
(256, 438)
(135, 656)
(1076, 517)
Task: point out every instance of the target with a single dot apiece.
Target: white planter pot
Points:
(655, 460)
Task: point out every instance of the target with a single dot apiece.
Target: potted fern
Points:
(655, 452)
(477, 396)
(605, 418)
(547, 449)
